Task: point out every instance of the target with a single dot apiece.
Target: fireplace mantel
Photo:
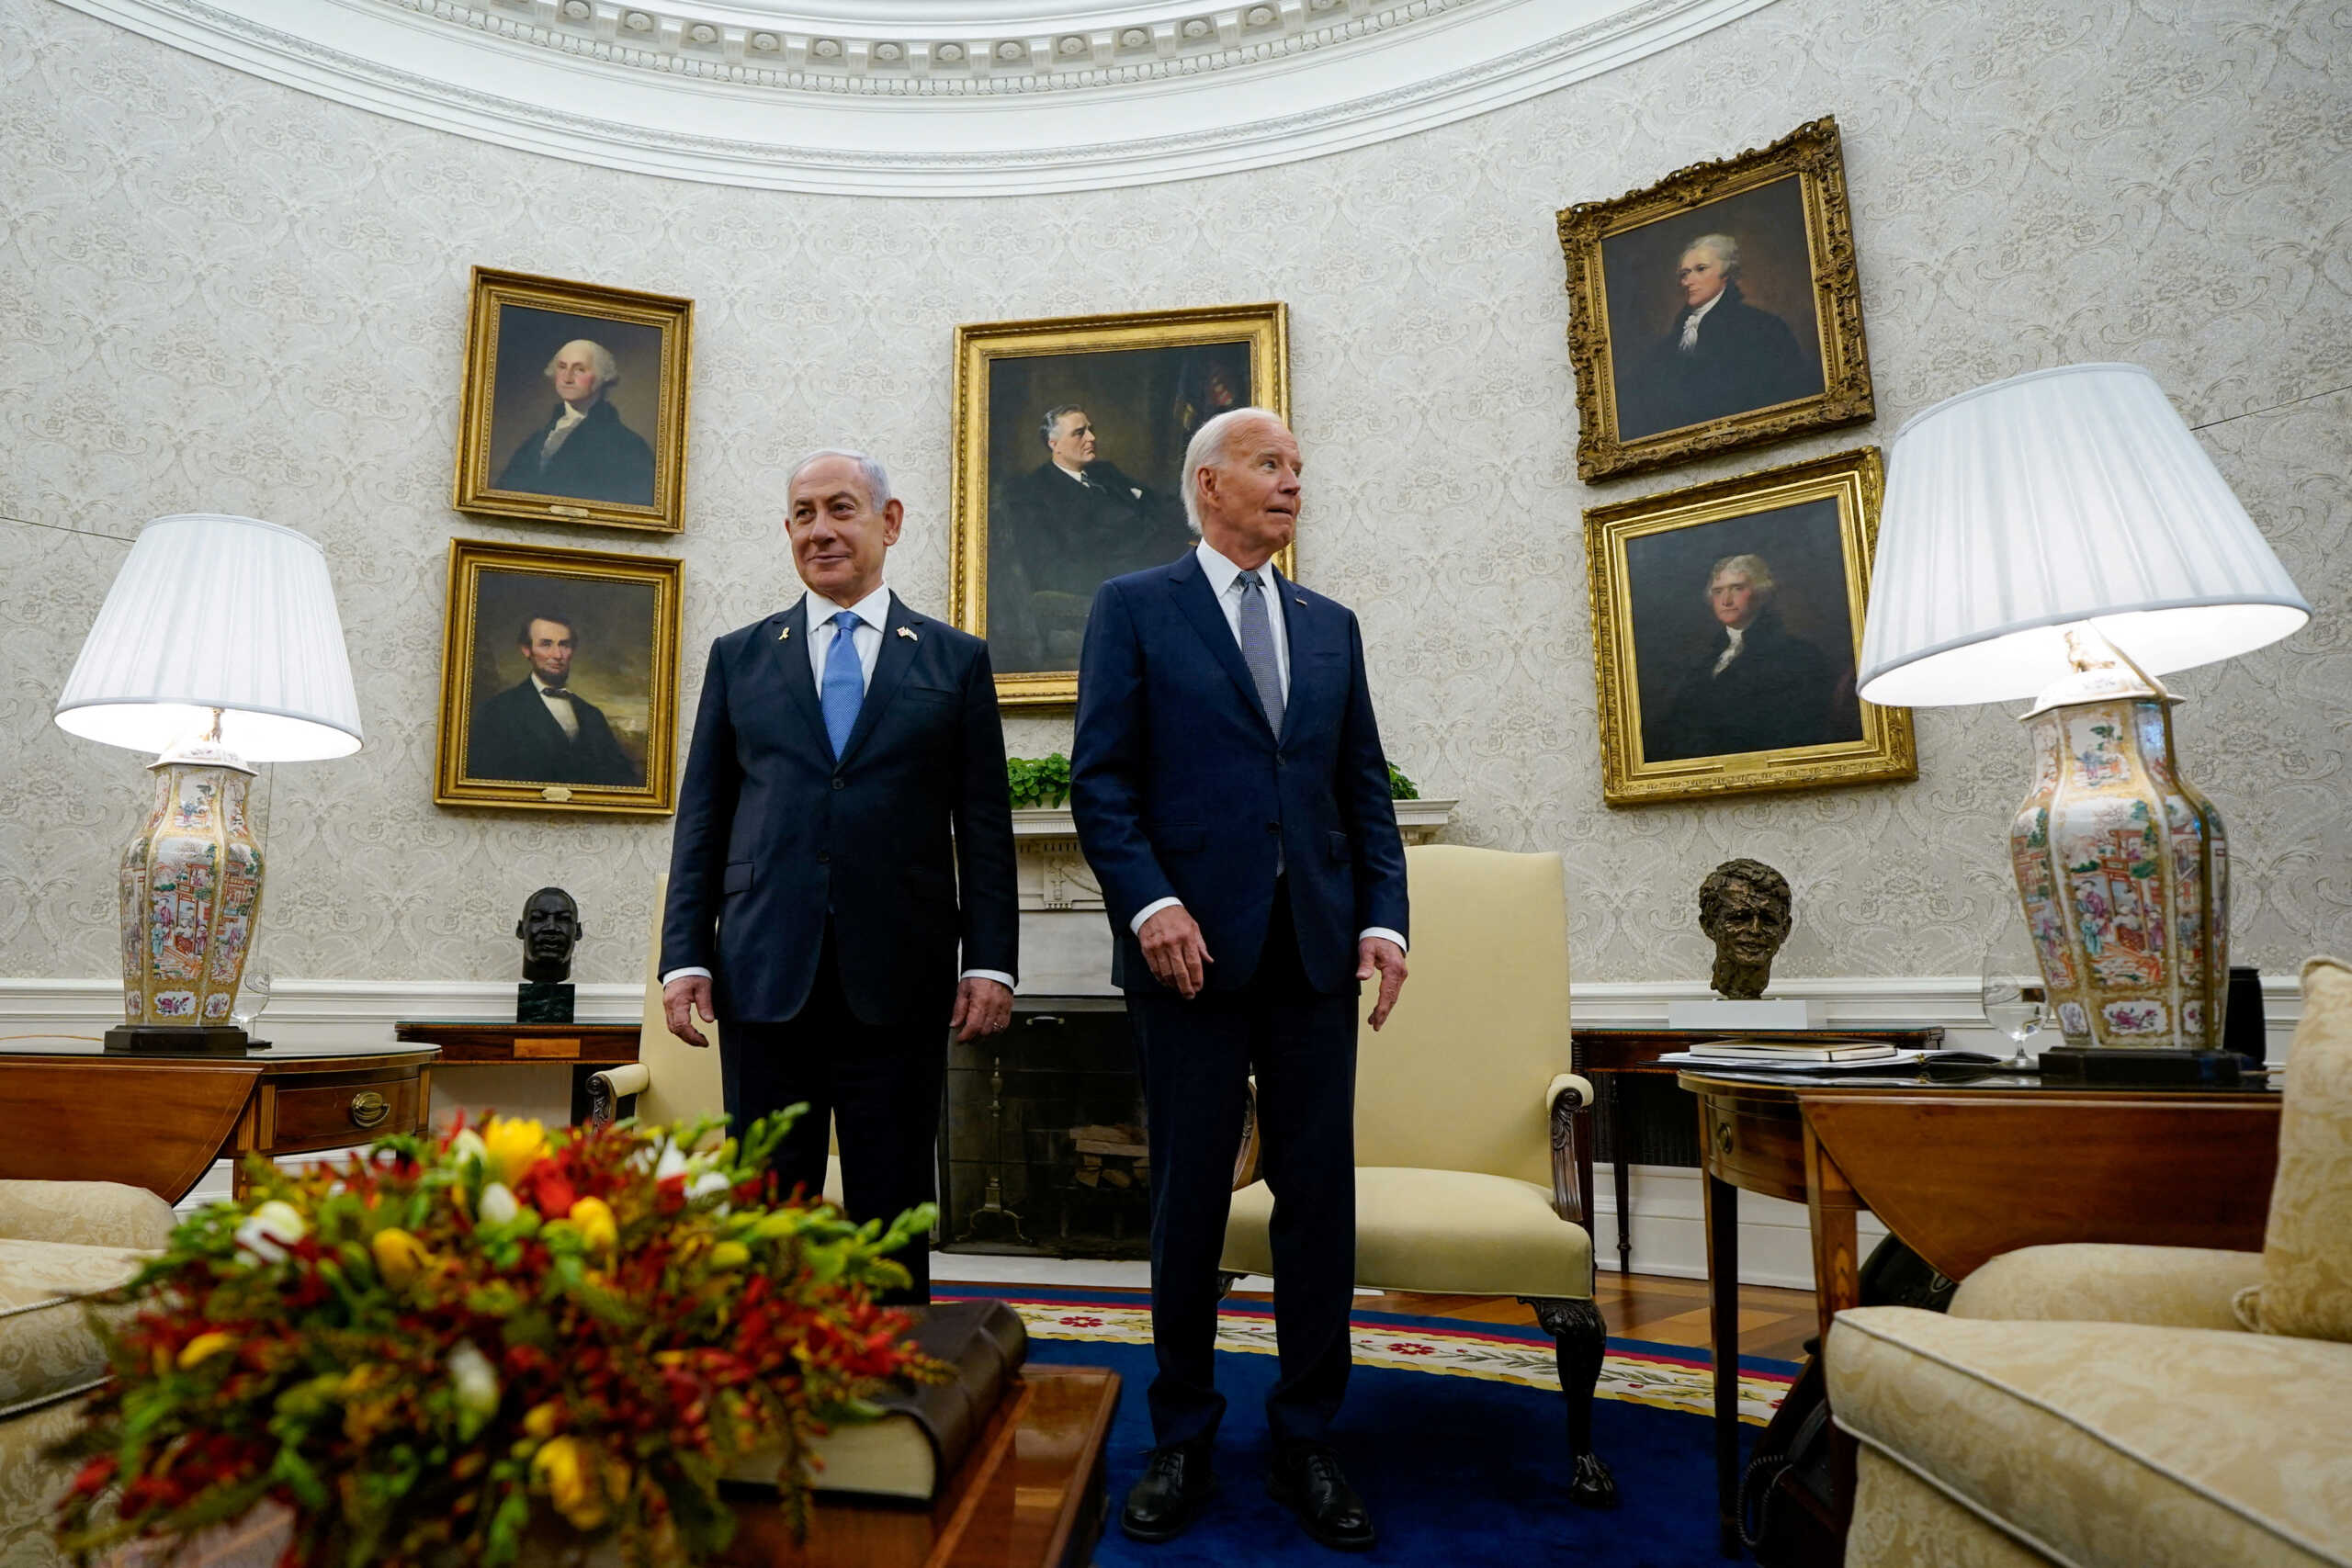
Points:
(1064, 946)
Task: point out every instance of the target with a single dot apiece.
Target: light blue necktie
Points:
(1257, 637)
(843, 690)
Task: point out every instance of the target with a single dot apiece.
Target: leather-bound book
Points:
(915, 1449)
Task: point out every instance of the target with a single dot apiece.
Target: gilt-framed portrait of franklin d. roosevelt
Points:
(1726, 623)
(1720, 308)
(559, 680)
(573, 407)
(1069, 466)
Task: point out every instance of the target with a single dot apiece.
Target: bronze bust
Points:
(549, 928)
(1744, 908)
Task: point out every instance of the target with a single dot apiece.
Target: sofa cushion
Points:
(48, 1348)
(2098, 1282)
(2111, 1443)
(1449, 1230)
(2307, 1250)
(92, 1213)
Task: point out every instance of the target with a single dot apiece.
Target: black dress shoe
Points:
(1307, 1480)
(1176, 1485)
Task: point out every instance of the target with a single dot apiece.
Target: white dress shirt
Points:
(1225, 579)
(1691, 322)
(1723, 658)
(558, 708)
(564, 426)
(873, 614)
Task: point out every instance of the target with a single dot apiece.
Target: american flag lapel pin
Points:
(909, 633)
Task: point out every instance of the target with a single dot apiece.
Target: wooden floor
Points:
(1773, 1322)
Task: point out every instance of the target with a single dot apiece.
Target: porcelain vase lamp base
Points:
(190, 886)
(2122, 869)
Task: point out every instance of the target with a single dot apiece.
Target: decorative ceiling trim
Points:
(680, 108)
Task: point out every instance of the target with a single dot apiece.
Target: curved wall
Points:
(228, 295)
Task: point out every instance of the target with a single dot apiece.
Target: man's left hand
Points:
(982, 1008)
(1379, 952)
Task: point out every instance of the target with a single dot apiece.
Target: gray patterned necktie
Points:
(1258, 647)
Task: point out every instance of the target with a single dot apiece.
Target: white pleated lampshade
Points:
(2037, 504)
(214, 612)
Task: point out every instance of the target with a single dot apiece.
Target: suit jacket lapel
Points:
(1302, 630)
(890, 671)
(1195, 598)
(788, 639)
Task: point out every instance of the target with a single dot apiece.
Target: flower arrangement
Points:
(437, 1350)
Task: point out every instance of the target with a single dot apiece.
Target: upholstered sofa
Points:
(2132, 1407)
(60, 1241)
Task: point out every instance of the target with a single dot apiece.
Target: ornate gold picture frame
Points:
(559, 680)
(1719, 308)
(574, 403)
(1726, 620)
(1069, 456)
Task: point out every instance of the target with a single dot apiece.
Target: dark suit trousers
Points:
(1197, 1057)
(881, 1084)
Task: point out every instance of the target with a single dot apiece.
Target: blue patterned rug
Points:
(1469, 1471)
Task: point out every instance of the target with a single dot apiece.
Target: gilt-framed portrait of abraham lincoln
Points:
(1726, 623)
(1718, 309)
(573, 407)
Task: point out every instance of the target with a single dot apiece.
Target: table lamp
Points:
(2060, 536)
(218, 646)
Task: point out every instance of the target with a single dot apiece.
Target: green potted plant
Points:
(1038, 781)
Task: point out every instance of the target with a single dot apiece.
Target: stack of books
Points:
(1814, 1052)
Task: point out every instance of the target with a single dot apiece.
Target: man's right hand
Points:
(682, 999)
(1173, 949)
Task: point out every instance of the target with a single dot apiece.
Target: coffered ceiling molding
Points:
(926, 97)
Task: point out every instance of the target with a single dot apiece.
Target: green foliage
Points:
(1038, 781)
(1399, 786)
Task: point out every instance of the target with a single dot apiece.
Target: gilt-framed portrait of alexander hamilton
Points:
(1726, 623)
(1069, 439)
(1720, 308)
(574, 407)
(559, 680)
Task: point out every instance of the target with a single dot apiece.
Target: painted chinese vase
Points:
(191, 891)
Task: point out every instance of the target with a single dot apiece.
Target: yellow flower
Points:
(204, 1344)
(576, 1481)
(399, 1256)
(512, 1147)
(541, 1420)
(595, 1219)
(730, 1255)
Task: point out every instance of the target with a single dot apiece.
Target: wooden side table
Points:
(1602, 1054)
(1960, 1173)
(580, 1048)
(75, 1114)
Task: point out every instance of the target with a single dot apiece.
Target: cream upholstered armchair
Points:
(1467, 1180)
(2148, 1407)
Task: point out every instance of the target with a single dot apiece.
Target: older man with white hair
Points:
(842, 875)
(1721, 356)
(1232, 798)
(583, 452)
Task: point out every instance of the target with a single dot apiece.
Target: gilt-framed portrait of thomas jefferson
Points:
(1717, 309)
(1069, 466)
(559, 680)
(1726, 621)
(573, 407)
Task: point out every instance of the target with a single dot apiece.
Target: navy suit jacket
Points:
(1180, 789)
(905, 842)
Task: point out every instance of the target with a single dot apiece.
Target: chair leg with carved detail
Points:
(1582, 1337)
(1225, 1283)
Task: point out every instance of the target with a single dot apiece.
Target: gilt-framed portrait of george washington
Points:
(1718, 309)
(559, 680)
(573, 407)
(1069, 466)
(1726, 621)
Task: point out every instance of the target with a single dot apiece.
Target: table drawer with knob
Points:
(325, 1116)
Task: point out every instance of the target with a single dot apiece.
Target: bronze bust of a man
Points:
(549, 928)
(1744, 908)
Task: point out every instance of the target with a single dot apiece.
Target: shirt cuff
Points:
(1396, 937)
(681, 973)
(1151, 909)
(999, 975)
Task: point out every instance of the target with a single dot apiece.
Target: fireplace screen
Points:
(1043, 1141)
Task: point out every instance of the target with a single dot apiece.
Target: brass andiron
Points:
(992, 1209)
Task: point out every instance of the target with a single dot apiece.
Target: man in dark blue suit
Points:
(844, 828)
(1233, 800)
